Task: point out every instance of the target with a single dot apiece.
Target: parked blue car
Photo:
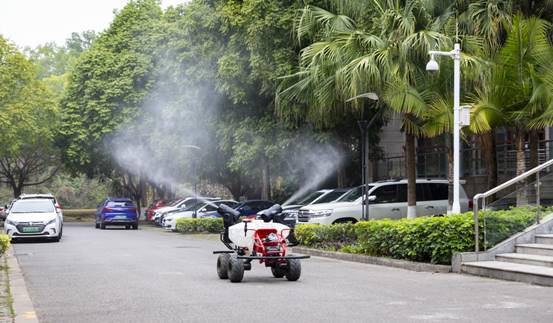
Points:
(117, 211)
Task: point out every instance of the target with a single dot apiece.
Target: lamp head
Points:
(432, 65)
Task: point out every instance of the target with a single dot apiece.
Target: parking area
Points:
(154, 276)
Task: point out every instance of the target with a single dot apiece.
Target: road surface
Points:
(154, 276)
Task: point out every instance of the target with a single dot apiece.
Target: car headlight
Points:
(320, 213)
(10, 222)
(51, 221)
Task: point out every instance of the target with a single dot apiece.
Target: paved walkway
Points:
(153, 276)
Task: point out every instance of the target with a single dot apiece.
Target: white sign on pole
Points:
(464, 116)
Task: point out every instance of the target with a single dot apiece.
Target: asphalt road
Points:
(154, 276)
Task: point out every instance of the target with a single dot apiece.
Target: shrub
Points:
(426, 239)
(4, 243)
(500, 225)
(211, 225)
(80, 213)
(331, 237)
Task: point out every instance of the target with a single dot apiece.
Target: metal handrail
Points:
(498, 188)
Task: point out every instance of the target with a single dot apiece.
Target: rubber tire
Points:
(235, 269)
(346, 220)
(97, 225)
(293, 271)
(127, 227)
(222, 265)
(102, 226)
(278, 272)
(61, 233)
(134, 226)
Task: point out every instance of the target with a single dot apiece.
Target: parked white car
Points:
(170, 220)
(34, 218)
(317, 197)
(387, 199)
(48, 196)
(179, 206)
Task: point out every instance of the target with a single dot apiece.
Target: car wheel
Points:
(235, 269)
(102, 225)
(127, 227)
(61, 232)
(135, 226)
(222, 265)
(97, 225)
(347, 220)
(278, 272)
(56, 239)
(293, 272)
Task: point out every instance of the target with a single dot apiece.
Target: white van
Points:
(388, 199)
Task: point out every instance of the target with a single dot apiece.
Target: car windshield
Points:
(33, 206)
(353, 195)
(175, 202)
(330, 197)
(310, 198)
(191, 205)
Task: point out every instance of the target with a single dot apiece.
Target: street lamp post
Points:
(195, 215)
(364, 126)
(432, 65)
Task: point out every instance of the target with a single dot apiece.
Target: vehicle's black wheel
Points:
(127, 227)
(293, 271)
(346, 220)
(102, 225)
(222, 265)
(135, 226)
(56, 239)
(97, 225)
(61, 232)
(235, 269)
(278, 272)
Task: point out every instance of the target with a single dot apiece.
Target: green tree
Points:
(108, 85)
(517, 93)
(384, 53)
(28, 119)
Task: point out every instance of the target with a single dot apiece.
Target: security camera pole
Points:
(432, 65)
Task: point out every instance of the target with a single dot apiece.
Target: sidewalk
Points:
(22, 304)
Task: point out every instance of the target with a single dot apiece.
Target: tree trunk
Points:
(265, 184)
(521, 194)
(533, 145)
(17, 190)
(411, 172)
(341, 176)
(487, 141)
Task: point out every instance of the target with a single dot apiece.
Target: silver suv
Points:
(387, 199)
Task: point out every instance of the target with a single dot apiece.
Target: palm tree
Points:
(385, 53)
(518, 92)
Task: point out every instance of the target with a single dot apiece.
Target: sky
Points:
(34, 22)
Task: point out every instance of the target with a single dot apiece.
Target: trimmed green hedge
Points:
(4, 243)
(79, 213)
(211, 225)
(425, 239)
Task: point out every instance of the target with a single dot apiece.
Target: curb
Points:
(22, 304)
(381, 261)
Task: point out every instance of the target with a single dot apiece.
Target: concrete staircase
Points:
(530, 263)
